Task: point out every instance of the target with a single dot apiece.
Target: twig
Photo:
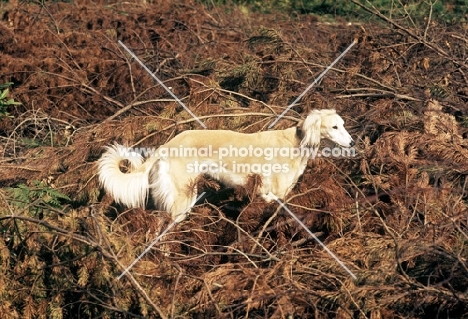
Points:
(129, 65)
(379, 95)
(429, 20)
(459, 37)
(179, 275)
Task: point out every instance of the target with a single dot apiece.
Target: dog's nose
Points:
(352, 144)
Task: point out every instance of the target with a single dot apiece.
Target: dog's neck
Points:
(300, 137)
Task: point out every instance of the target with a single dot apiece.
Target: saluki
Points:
(169, 175)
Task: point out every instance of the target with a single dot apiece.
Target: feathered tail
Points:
(130, 189)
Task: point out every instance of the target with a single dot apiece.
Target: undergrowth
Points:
(38, 193)
(395, 214)
(453, 11)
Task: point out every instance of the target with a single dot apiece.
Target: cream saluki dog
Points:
(169, 175)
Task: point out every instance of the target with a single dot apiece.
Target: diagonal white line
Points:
(162, 84)
(316, 238)
(159, 237)
(313, 83)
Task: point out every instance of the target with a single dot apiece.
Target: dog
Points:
(168, 177)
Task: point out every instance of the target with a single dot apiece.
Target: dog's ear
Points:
(299, 131)
(311, 129)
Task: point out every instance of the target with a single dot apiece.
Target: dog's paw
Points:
(269, 197)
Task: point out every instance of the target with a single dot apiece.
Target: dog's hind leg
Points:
(163, 190)
(183, 202)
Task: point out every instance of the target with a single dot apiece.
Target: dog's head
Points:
(324, 124)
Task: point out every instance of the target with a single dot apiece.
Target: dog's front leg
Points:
(184, 201)
(269, 197)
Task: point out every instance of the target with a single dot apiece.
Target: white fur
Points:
(162, 187)
(171, 184)
(119, 184)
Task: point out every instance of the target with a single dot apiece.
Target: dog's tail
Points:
(130, 189)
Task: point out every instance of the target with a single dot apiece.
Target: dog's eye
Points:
(335, 127)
